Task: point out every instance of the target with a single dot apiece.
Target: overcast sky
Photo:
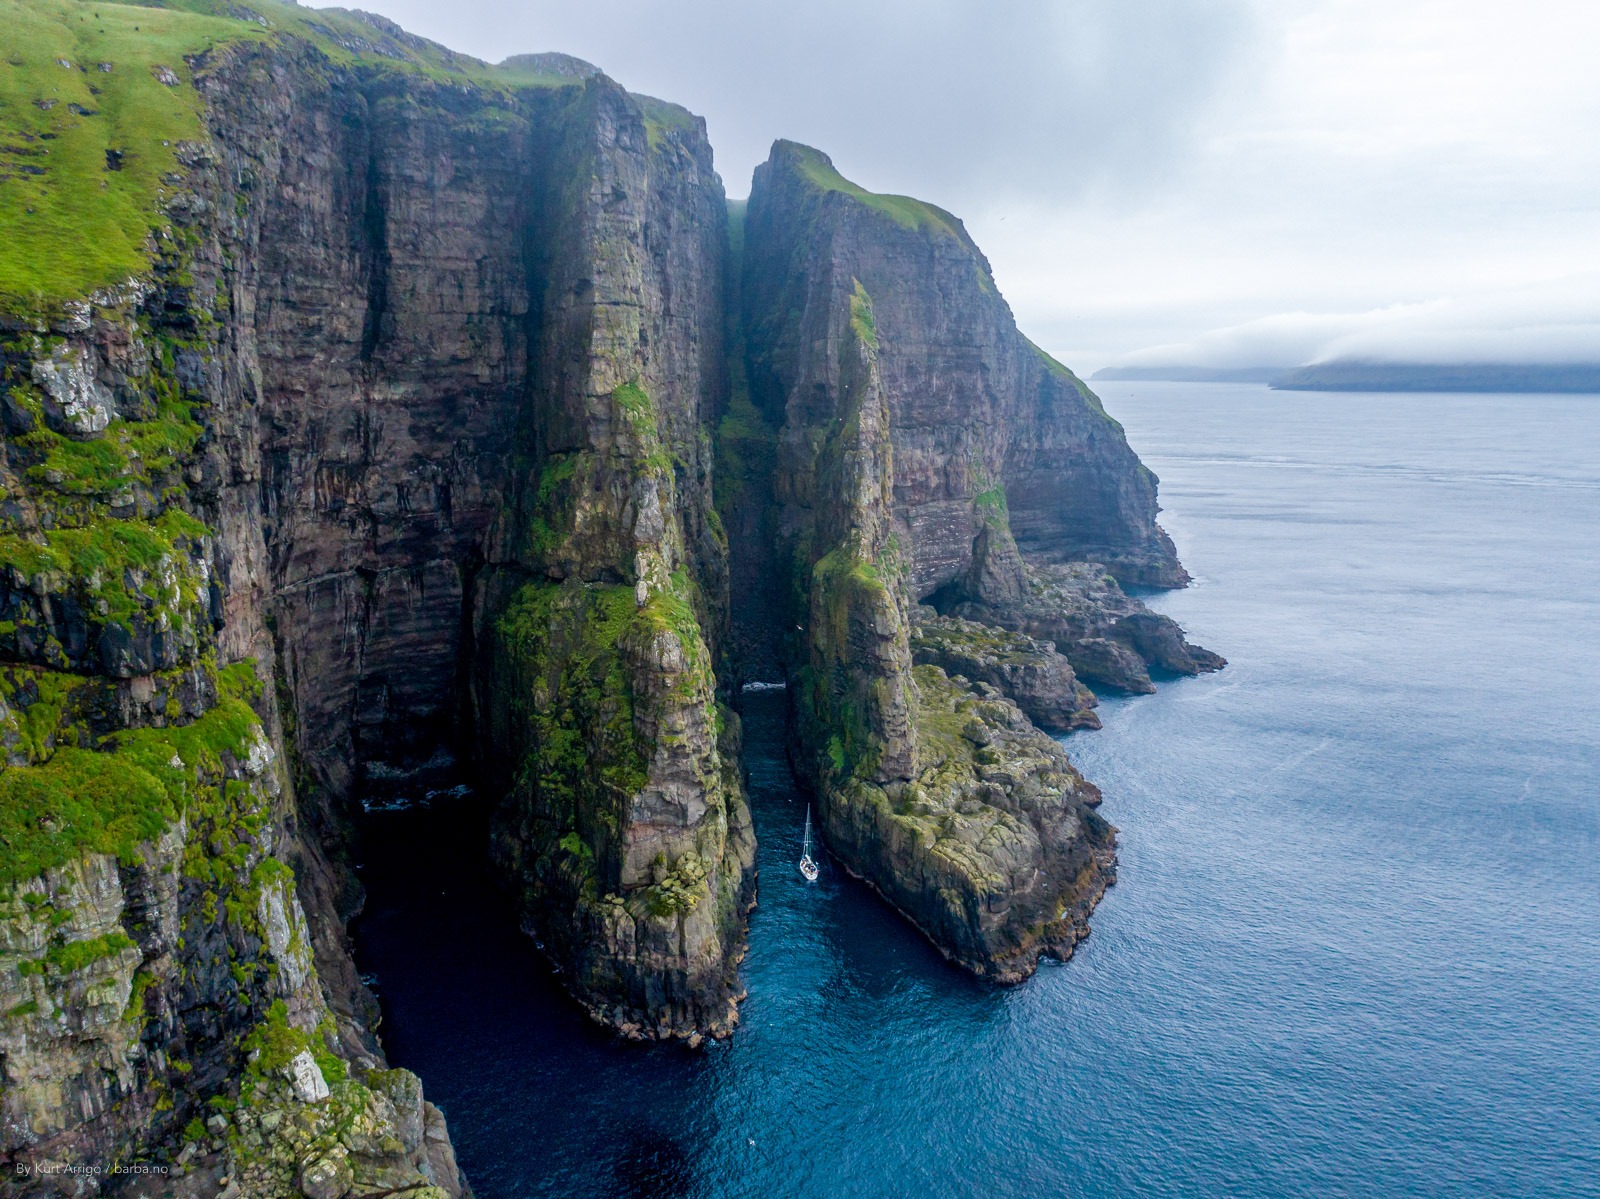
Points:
(1238, 181)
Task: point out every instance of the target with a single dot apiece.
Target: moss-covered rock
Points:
(1110, 638)
(1024, 669)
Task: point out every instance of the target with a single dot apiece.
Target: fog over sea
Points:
(1355, 944)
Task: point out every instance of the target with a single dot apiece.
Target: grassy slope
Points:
(904, 210)
(70, 223)
(76, 225)
(348, 39)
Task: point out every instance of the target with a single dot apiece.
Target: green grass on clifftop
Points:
(72, 223)
(88, 150)
(350, 36)
(819, 170)
(1066, 376)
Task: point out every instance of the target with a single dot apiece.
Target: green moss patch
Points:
(638, 411)
(76, 955)
(845, 586)
(663, 118)
(567, 657)
(128, 452)
(122, 568)
(274, 1043)
(569, 690)
(112, 800)
(862, 319)
(40, 700)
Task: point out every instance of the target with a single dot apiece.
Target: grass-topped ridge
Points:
(87, 149)
(1066, 376)
(350, 37)
(662, 117)
(817, 169)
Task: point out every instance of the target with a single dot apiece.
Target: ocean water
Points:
(1355, 944)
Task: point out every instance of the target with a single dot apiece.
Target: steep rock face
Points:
(626, 824)
(395, 299)
(487, 328)
(385, 439)
(947, 800)
(925, 450)
(981, 420)
(150, 917)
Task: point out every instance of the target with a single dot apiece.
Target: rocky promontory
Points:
(923, 452)
(1027, 671)
(1110, 638)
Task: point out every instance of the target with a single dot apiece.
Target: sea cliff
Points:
(370, 411)
(925, 451)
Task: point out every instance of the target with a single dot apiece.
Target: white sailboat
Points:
(808, 864)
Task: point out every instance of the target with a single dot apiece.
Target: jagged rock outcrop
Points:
(1109, 637)
(1025, 670)
(994, 848)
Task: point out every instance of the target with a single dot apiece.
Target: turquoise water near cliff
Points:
(1355, 944)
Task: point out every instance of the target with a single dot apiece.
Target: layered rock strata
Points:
(401, 420)
(603, 593)
(989, 432)
(155, 885)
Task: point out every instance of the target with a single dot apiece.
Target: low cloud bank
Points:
(1548, 324)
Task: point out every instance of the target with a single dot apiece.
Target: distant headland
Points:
(1357, 375)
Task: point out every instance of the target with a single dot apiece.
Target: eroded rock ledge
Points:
(1108, 636)
(993, 849)
(1027, 671)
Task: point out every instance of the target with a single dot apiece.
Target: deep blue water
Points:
(1355, 944)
